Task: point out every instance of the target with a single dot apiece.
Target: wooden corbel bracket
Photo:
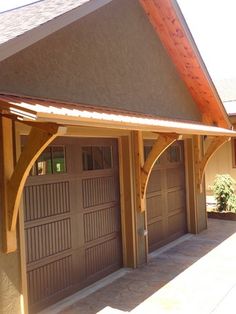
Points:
(39, 138)
(143, 169)
(163, 141)
(202, 162)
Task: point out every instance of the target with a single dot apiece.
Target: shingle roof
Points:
(16, 22)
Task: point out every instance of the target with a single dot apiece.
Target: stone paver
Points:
(196, 276)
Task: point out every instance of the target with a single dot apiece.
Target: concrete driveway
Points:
(197, 275)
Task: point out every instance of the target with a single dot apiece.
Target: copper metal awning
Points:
(40, 110)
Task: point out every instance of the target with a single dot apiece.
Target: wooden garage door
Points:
(166, 199)
(72, 219)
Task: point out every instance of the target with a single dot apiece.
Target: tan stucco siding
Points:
(10, 290)
(9, 284)
(220, 163)
(111, 57)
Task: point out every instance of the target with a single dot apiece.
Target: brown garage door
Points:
(166, 199)
(72, 218)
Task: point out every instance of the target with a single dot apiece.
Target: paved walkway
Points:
(196, 276)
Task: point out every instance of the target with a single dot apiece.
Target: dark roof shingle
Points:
(16, 22)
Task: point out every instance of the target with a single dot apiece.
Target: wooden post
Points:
(140, 212)
(9, 236)
(127, 204)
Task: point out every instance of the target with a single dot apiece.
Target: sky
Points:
(213, 26)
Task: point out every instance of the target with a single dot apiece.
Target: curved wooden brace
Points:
(38, 140)
(162, 143)
(215, 144)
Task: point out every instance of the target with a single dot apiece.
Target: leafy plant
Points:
(223, 188)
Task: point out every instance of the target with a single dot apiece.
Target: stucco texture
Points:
(112, 57)
(10, 290)
(220, 163)
(9, 284)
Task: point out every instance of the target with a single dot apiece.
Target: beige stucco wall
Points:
(111, 57)
(220, 163)
(10, 286)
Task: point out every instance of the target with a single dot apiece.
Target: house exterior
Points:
(104, 108)
(224, 160)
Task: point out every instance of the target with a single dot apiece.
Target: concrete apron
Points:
(195, 274)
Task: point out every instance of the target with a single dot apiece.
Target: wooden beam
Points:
(161, 144)
(215, 144)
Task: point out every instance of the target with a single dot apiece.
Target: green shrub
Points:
(232, 203)
(223, 188)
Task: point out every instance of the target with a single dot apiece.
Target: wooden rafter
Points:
(39, 138)
(161, 144)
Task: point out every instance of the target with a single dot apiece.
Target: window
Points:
(51, 161)
(97, 157)
(174, 154)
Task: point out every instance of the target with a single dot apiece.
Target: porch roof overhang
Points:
(29, 109)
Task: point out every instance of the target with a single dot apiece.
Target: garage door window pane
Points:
(97, 158)
(44, 162)
(87, 158)
(58, 159)
(107, 157)
(174, 154)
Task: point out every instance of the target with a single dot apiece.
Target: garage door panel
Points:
(155, 231)
(101, 256)
(100, 223)
(154, 183)
(166, 199)
(72, 224)
(155, 205)
(98, 191)
(46, 200)
(177, 223)
(45, 281)
(48, 239)
(176, 199)
(175, 177)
